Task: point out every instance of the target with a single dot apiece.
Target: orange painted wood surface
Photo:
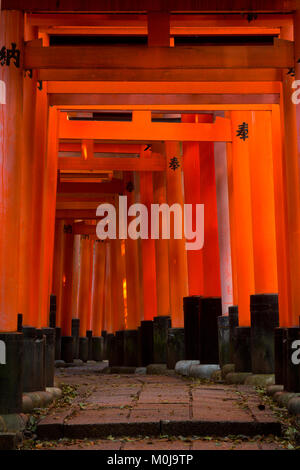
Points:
(279, 55)
(11, 31)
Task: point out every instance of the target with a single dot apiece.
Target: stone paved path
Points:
(149, 409)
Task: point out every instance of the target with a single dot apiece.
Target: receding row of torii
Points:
(249, 186)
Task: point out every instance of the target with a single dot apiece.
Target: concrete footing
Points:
(146, 342)
(223, 337)
(203, 371)
(175, 347)
(184, 367)
(160, 338)
(130, 348)
(242, 354)
(11, 373)
(264, 319)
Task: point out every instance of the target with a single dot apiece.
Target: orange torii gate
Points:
(160, 67)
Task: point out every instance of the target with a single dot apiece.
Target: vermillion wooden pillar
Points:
(161, 251)
(84, 297)
(67, 278)
(177, 253)
(27, 180)
(254, 209)
(39, 165)
(58, 267)
(232, 221)
(200, 188)
(241, 216)
(223, 225)
(107, 320)
(292, 186)
(117, 278)
(11, 31)
(48, 217)
(132, 265)
(76, 276)
(262, 202)
(148, 246)
(281, 218)
(98, 287)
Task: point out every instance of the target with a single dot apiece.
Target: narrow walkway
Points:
(155, 412)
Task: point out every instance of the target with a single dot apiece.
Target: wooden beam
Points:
(164, 88)
(175, 31)
(83, 205)
(76, 213)
(162, 75)
(80, 189)
(76, 197)
(104, 148)
(142, 129)
(155, 163)
(139, 21)
(144, 5)
(279, 55)
(84, 229)
(60, 99)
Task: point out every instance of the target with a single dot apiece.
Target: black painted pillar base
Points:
(57, 343)
(223, 333)
(119, 347)
(211, 309)
(67, 349)
(131, 348)
(97, 348)
(242, 355)
(175, 347)
(112, 350)
(233, 315)
(40, 361)
(52, 313)
(292, 360)
(139, 347)
(160, 338)
(191, 308)
(75, 334)
(104, 336)
(49, 355)
(146, 335)
(264, 320)
(89, 335)
(30, 359)
(83, 348)
(11, 373)
(280, 353)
